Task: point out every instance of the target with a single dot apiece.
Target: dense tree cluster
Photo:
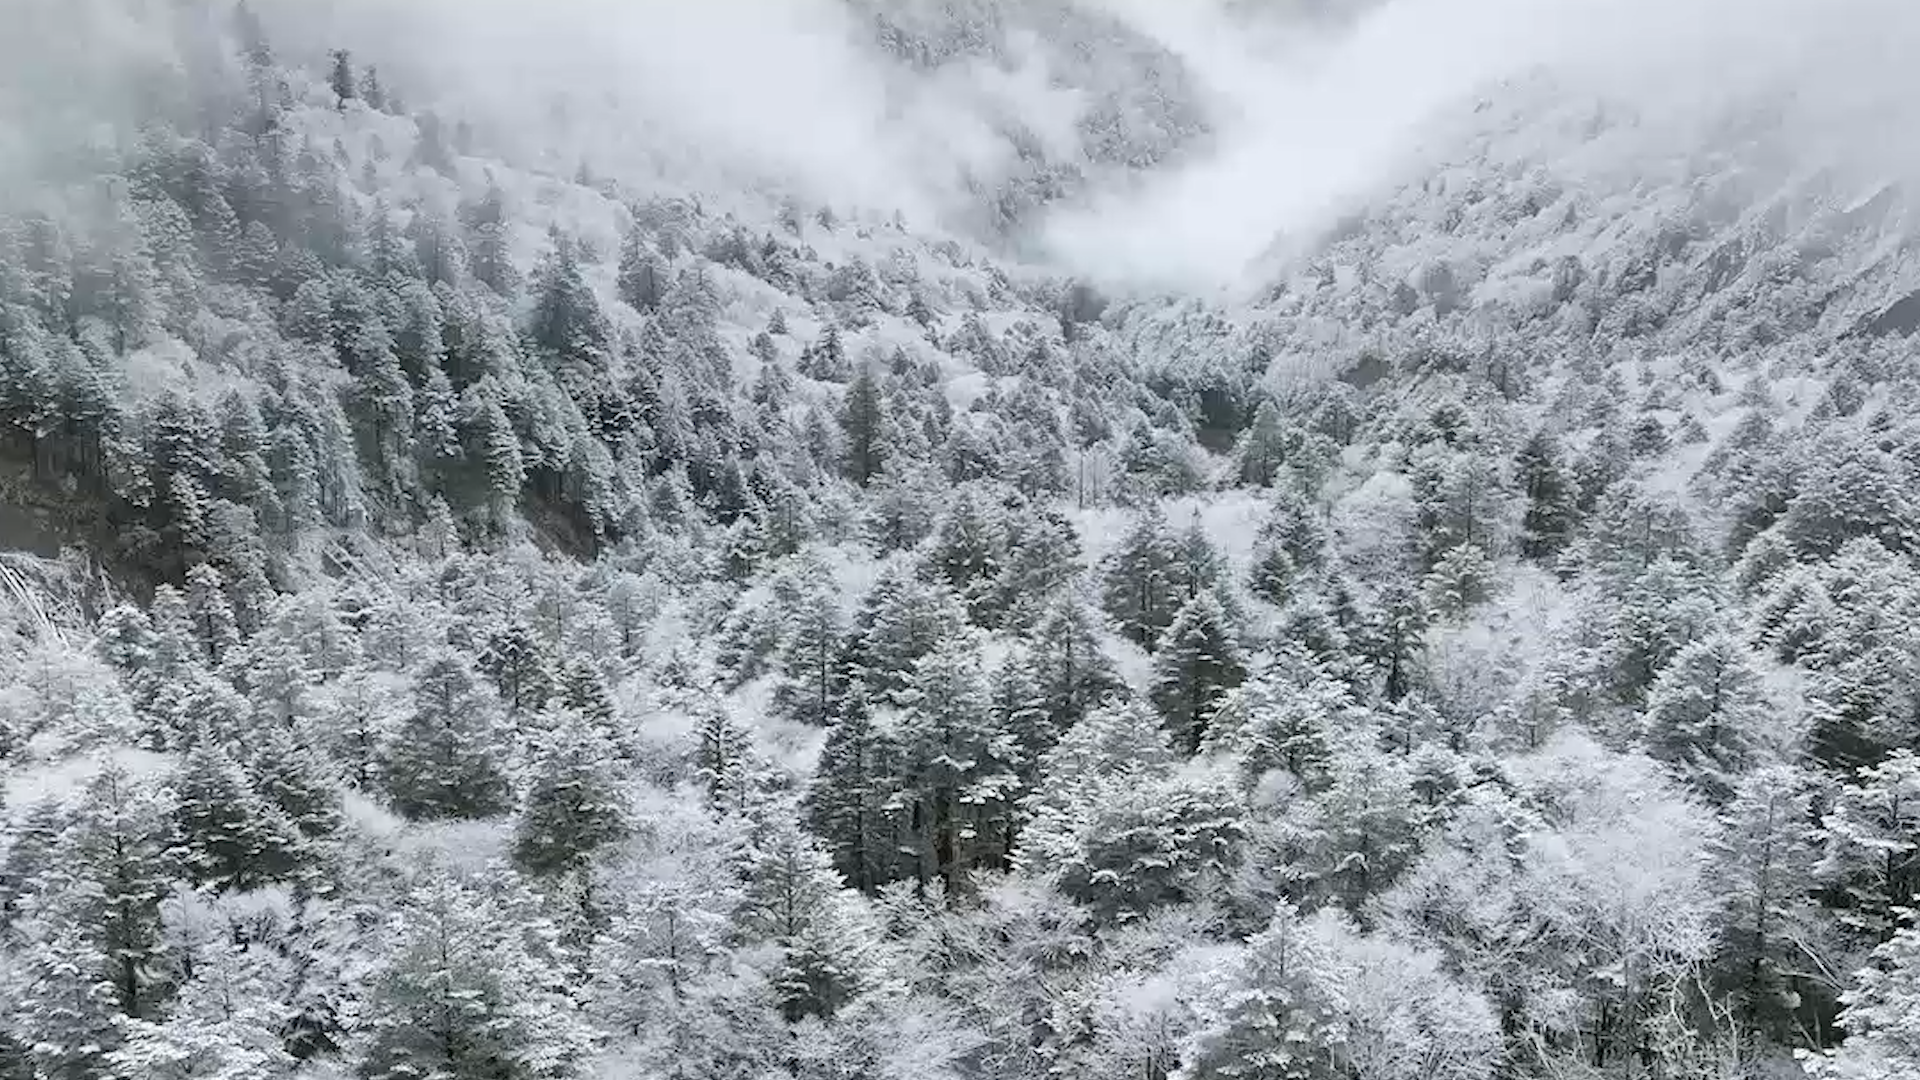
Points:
(554, 629)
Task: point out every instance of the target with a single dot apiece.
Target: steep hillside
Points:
(515, 582)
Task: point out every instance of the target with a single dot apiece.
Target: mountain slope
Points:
(566, 585)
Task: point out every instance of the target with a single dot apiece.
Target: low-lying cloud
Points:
(791, 91)
(1313, 123)
(1308, 116)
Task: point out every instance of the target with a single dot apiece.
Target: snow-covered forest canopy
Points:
(959, 540)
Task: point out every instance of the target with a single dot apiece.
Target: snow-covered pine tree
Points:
(1364, 829)
(1707, 714)
(1763, 863)
(849, 804)
(958, 770)
(67, 1015)
(1140, 585)
(812, 642)
(902, 620)
(1071, 671)
(517, 663)
(446, 757)
(101, 891)
(1541, 475)
(642, 280)
(865, 426)
(795, 901)
(1277, 1013)
(1198, 660)
(723, 760)
(1871, 850)
(583, 689)
(1881, 1011)
(1269, 723)
(229, 836)
(458, 992)
(573, 806)
(969, 550)
(229, 1019)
